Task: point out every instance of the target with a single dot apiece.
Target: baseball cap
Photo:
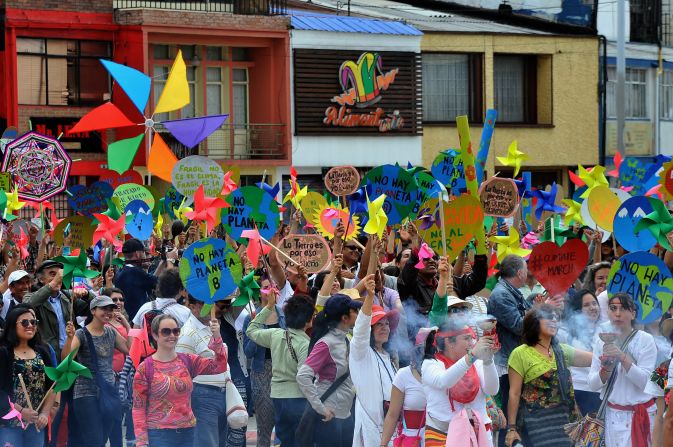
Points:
(49, 263)
(132, 245)
(17, 275)
(340, 304)
(101, 301)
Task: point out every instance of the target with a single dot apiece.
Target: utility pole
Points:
(621, 74)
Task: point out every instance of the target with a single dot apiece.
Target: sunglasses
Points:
(117, 300)
(354, 248)
(458, 310)
(165, 332)
(552, 317)
(26, 322)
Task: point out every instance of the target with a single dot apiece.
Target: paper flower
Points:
(14, 413)
(425, 252)
(66, 372)
(248, 289)
(108, 229)
(75, 266)
(514, 157)
(573, 212)
(229, 185)
(206, 208)
(659, 222)
(546, 201)
(509, 245)
(592, 178)
(377, 217)
(255, 246)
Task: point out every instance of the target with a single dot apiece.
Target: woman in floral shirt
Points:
(539, 377)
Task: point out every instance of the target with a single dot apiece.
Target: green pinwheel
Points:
(112, 209)
(75, 266)
(66, 372)
(249, 290)
(659, 222)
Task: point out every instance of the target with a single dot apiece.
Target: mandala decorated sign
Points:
(38, 165)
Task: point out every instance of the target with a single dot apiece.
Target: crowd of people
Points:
(381, 348)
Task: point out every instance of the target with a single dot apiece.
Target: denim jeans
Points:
(210, 409)
(117, 434)
(288, 414)
(18, 437)
(171, 437)
(335, 433)
(92, 429)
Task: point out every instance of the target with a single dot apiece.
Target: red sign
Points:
(115, 179)
(557, 268)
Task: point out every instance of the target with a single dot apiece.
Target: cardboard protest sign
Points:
(632, 174)
(627, 217)
(115, 179)
(499, 197)
(250, 208)
(309, 250)
(342, 180)
(447, 167)
(80, 229)
(666, 180)
(210, 270)
(129, 192)
(463, 217)
(139, 221)
(193, 171)
(603, 205)
(87, 200)
(399, 187)
(312, 203)
(328, 219)
(173, 200)
(647, 279)
(589, 221)
(428, 187)
(557, 268)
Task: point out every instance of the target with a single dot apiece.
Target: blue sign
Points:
(139, 220)
(400, 189)
(627, 217)
(87, 200)
(250, 208)
(447, 167)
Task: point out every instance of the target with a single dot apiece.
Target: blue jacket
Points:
(509, 307)
(252, 350)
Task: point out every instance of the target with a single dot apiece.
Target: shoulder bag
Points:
(109, 403)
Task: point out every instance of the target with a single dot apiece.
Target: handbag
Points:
(590, 430)
(403, 440)
(109, 403)
(237, 414)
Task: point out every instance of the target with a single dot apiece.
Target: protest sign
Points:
(557, 268)
(311, 204)
(632, 174)
(463, 217)
(193, 171)
(139, 220)
(80, 229)
(309, 250)
(250, 208)
(589, 221)
(447, 168)
(647, 279)
(173, 200)
(210, 270)
(428, 187)
(666, 180)
(400, 188)
(129, 192)
(328, 219)
(627, 217)
(342, 180)
(115, 179)
(603, 205)
(87, 200)
(499, 197)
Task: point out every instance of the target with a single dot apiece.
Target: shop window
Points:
(62, 72)
(666, 104)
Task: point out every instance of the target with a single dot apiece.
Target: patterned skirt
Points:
(434, 437)
(545, 426)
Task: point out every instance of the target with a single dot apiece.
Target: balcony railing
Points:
(248, 7)
(236, 142)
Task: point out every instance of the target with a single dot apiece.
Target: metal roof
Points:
(304, 20)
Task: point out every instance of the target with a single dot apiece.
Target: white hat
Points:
(454, 301)
(17, 275)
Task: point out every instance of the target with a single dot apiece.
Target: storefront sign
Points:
(53, 127)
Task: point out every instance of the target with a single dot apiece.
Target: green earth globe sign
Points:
(210, 270)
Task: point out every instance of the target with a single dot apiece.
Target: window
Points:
(451, 87)
(515, 84)
(214, 90)
(240, 81)
(62, 72)
(189, 111)
(635, 93)
(666, 104)
(160, 75)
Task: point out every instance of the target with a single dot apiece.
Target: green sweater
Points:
(439, 312)
(284, 369)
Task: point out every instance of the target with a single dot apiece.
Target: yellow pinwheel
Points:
(294, 197)
(180, 212)
(13, 203)
(158, 227)
(509, 245)
(593, 178)
(514, 157)
(377, 217)
(573, 212)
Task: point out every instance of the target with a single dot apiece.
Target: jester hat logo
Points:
(366, 80)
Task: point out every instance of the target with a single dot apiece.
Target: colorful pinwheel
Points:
(108, 229)
(255, 246)
(377, 217)
(9, 202)
(248, 289)
(546, 201)
(514, 157)
(66, 372)
(14, 413)
(75, 266)
(22, 243)
(573, 212)
(296, 193)
(229, 185)
(357, 202)
(509, 245)
(592, 177)
(659, 222)
(206, 209)
(175, 95)
(424, 253)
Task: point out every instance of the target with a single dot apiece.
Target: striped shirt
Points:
(194, 339)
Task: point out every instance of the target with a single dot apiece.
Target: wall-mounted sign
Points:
(53, 127)
(357, 92)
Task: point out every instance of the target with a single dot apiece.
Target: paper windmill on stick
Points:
(296, 193)
(509, 245)
(248, 288)
(75, 266)
(14, 413)
(108, 229)
(659, 222)
(66, 372)
(174, 96)
(377, 217)
(255, 246)
(546, 201)
(206, 209)
(514, 157)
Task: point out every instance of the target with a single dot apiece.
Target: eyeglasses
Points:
(26, 322)
(165, 332)
(117, 300)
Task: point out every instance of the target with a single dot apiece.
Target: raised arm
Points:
(215, 365)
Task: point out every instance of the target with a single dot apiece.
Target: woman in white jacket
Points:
(371, 368)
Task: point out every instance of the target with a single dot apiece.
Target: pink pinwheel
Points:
(618, 162)
(655, 191)
(22, 243)
(425, 252)
(13, 413)
(255, 246)
(229, 185)
(108, 229)
(529, 240)
(492, 270)
(206, 208)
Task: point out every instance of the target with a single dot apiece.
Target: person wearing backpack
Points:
(162, 386)
(170, 289)
(96, 403)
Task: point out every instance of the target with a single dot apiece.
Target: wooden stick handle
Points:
(25, 391)
(45, 396)
(279, 251)
(212, 312)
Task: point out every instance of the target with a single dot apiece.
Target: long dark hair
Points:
(531, 323)
(9, 337)
(322, 324)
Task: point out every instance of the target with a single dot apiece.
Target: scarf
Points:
(465, 391)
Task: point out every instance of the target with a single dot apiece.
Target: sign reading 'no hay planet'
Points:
(647, 279)
(210, 269)
(251, 208)
(400, 188)
(309, 250)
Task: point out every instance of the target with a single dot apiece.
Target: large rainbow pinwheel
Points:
(175, 95)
